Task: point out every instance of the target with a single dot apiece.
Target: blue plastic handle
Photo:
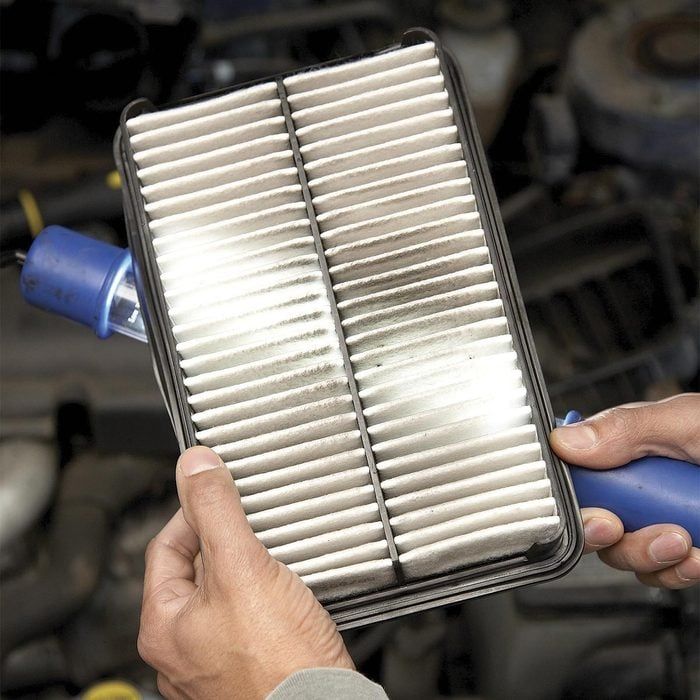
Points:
(74, 276)
(644, 492)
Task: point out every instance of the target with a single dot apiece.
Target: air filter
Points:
(332, 309)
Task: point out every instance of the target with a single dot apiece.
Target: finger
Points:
(212, 507)
(683, 575)
(669, 428)
(650, 549)
(170, 561)
(601, 528)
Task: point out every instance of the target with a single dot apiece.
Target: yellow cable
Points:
(32, 213)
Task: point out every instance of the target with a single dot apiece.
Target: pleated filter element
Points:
(336, 327)
(255, 334)
(418, 299)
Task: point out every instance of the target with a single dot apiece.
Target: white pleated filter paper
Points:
(447, 413)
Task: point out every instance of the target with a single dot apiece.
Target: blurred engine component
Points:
(487, 50)
(551, 139)
(99, 641)
(27, 478)
(629, 641)
(94, 490)
(24, 216)
(608, 317)
(634, 79)
(90, 57)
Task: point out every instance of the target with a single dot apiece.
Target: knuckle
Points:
(617, 423)
(689, 399)
(150, 641)
(151, 548)
(607, 557)
(634, 552)
(163, 685)
(635, 559)
(651, 580)
(687, 418)
(146, 647)
(624, 555)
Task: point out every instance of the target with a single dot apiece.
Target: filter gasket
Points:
(540, 563)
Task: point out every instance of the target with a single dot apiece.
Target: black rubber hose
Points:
(90, 198)
(93, 490)
(37, 664)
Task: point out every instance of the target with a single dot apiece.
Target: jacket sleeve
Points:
(327, 683)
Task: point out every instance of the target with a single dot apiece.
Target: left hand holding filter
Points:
(85, 280)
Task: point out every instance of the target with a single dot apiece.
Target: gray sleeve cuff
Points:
(327, 684)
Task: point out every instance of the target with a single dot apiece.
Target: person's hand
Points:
(221, 617)
(660, 555)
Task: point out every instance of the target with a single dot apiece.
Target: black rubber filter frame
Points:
(539, 564)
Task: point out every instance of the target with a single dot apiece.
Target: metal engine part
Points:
(101, 640)
(609, 316)
(487, 50)
(634, 80)
(626, 646)
(27, 479)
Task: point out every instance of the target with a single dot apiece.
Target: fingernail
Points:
(577, 437)
(198, 459)
(689, 570)
(668, 548)
(600, 532)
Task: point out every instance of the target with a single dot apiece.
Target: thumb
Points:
(669, 428)
(212, 507)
